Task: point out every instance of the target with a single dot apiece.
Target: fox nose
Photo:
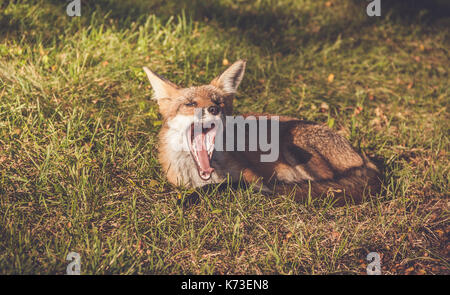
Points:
(213, 110)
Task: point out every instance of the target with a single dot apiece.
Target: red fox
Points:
(306, 159)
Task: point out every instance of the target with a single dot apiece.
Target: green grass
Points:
(78, 167)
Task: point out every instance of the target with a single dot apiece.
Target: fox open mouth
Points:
(201, 144)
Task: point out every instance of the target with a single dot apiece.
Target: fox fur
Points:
(313, 161)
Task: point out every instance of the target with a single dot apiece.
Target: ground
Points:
(78, 166)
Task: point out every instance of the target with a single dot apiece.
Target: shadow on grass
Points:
(277, 28)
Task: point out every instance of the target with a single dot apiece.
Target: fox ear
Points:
(162, 87)
(231, 78)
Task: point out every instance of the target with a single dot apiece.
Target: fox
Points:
(312, 161)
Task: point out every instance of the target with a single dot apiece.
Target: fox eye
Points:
(191, 104)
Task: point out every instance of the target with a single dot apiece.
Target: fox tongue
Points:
(200, 150)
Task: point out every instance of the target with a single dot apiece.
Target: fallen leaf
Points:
(330, 78)
(357, 111)
(153, 183)
(421, 272)
(440, 233)
(335, 236)
(409, 270)
(324, 107)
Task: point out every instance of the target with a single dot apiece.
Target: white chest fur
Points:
(181, 162)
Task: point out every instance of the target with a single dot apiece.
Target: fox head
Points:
(192, 115)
